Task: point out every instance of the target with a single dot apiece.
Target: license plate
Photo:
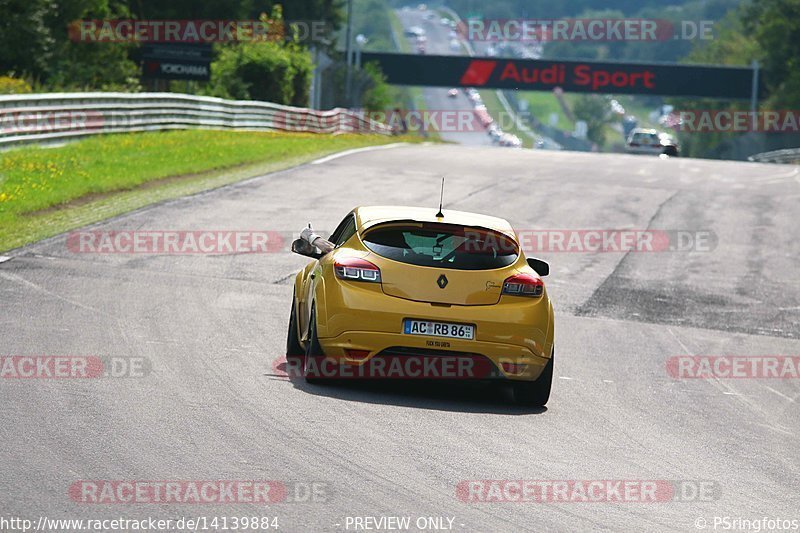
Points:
(438, 329)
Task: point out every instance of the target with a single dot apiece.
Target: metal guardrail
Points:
(789, 156)
(33, 118)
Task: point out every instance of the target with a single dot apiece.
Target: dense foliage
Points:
(763, 30)
(35, 45)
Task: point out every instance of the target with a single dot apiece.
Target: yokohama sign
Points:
(177, 70)
(571, 76)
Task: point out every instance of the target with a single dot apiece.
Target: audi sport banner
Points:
(571, 76)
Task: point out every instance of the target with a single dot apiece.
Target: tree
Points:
(767, 30)
(594, 110)
(26, 40)
(271, 71)
(775, 26)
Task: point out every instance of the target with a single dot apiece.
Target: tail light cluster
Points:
(523, 285)
(354, 269)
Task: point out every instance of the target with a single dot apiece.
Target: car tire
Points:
(293, 347)
(535, 393)
(671, 151)
(313, 352)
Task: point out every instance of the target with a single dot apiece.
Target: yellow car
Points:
(427, 290)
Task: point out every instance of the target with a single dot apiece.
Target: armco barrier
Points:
(62, 116)
(789, 156)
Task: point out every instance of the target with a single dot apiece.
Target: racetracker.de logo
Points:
(72, 367)
(196, 31)
(197, 492)
(583, 30)
(734, 367)
(452, 367)
(732, 121)
(17, 121)
(442, 120)
(174, 31)
(586, 491)
(178, 242)
(602, 241)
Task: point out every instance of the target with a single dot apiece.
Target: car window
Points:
(345, 230)
(444, 246)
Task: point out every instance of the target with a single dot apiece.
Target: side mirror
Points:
(539, 266)
(301, 247)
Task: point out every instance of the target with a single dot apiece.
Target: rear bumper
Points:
(354, 316)
(460, 360)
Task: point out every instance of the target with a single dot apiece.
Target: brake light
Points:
(354, 269)
(523, 285)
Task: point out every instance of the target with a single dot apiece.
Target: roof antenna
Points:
(441, 198)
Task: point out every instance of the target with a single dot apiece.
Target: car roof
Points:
(368, 216)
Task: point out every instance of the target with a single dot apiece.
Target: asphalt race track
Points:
(213, 328)
(436, 99)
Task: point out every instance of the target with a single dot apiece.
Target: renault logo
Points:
(442, 281)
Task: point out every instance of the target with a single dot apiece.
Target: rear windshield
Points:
(443, 246)
(645, 137)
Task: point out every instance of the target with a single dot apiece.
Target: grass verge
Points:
(542, 104)
(46, 191)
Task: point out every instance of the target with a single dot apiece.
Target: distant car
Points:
(452, 93)
(510, 140)
(651, 142)
(455, 45)
(415, 32)
(445, 21)
(421, 49)
(483, 117)
(474, 96)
